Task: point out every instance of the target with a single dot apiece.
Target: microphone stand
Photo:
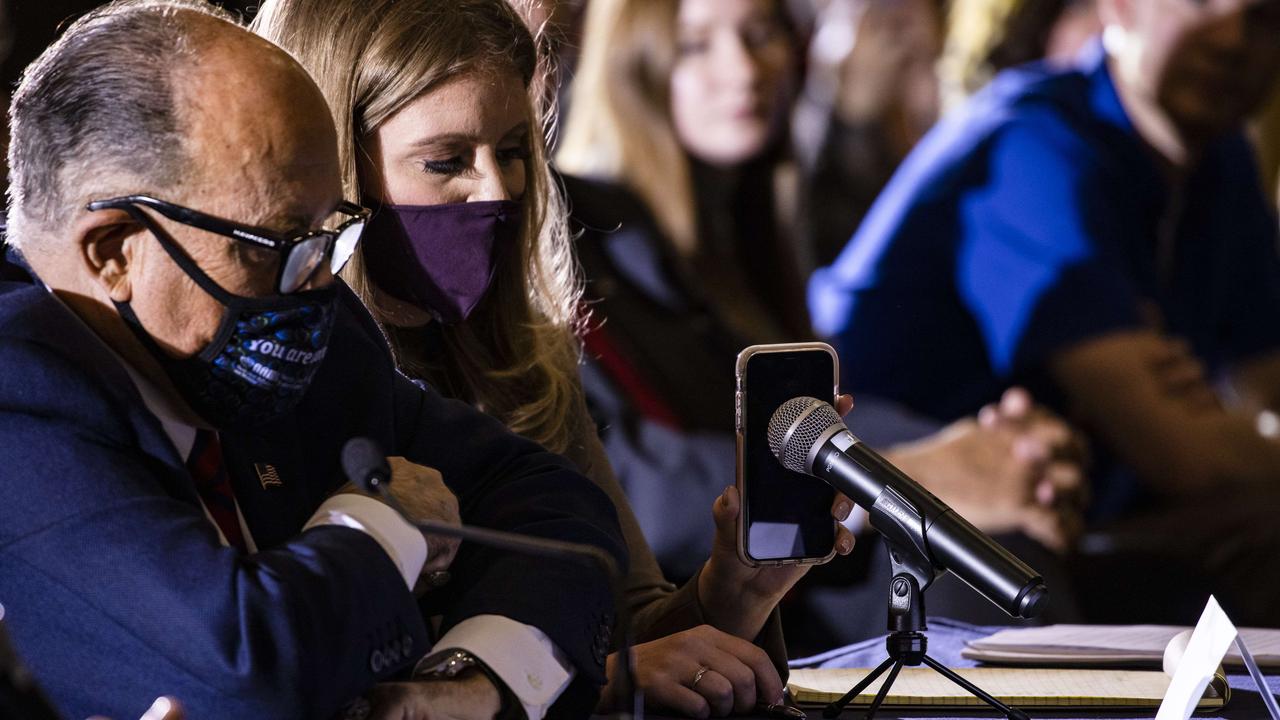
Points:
(908, 645)
(626, 694)
(912, 572)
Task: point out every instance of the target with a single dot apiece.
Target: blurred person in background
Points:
(984, 37)
(870, 93)
(1099, 232)
(877, 73)
(674, 142)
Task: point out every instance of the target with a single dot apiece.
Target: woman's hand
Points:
(738, 598)
(699, 672)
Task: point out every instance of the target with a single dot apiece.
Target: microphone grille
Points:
(810, 417)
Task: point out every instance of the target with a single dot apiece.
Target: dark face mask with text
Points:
(262, 358)
(441, 258)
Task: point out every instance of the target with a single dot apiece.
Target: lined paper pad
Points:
(1026, 687)
(1134, 645)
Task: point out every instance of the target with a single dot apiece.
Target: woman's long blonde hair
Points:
(516, 355)
(619, 123)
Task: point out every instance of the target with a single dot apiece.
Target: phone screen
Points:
(787, 514)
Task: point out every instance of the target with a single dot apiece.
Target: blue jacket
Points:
(116, 588)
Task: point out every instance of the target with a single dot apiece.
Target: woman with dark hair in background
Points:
(676, 134)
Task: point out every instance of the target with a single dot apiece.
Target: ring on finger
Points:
(697, 677)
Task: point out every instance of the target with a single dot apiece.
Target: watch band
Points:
(452, 662)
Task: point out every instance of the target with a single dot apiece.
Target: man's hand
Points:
(468, 697)
(731, 674)
(422, 493)
(1016, 468)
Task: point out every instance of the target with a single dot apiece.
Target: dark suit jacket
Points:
(116, 588)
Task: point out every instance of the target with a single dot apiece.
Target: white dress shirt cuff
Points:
(401, 541)
(534, 669)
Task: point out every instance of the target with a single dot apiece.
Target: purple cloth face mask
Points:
(439, 257)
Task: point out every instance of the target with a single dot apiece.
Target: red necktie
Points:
(205, 464)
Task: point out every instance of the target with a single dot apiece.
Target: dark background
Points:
(27, 27)
(30, 25)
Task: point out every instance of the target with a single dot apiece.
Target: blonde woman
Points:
(467, 264)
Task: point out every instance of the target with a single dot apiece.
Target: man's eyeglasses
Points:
(301, 255)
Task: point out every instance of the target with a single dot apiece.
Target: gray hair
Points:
(96, 112)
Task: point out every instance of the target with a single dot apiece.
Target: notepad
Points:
(1046, 689)
(1106, 645)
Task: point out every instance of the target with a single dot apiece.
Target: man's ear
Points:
(105, 240)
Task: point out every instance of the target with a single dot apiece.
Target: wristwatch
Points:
(456, 662)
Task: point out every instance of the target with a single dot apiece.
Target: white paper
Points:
(1098, 645)
(1204, 652)
(1273, 709)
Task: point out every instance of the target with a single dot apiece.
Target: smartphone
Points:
(785, 517)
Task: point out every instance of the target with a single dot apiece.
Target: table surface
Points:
(948, 637)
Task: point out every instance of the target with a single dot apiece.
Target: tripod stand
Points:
(907, 643)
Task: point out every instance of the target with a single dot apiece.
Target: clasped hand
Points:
(1016, 468)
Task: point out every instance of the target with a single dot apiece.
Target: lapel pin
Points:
(267, 475)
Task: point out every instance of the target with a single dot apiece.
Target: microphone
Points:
(808, 436)
(366, 465)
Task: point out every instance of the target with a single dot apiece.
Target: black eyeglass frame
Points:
(260, 237)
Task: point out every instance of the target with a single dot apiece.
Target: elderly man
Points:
(1099, 232)
(176, 393)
